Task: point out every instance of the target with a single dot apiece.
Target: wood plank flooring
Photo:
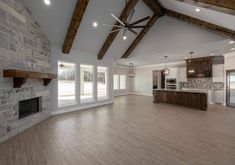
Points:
(133, 131)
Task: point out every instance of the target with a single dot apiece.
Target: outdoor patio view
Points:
(66, 84)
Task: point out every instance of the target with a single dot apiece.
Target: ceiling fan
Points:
(127, 25)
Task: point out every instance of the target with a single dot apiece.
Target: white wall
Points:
(118, 69)
(143, 82)
(79, 57)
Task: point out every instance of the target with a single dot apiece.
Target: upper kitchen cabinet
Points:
(199, 67)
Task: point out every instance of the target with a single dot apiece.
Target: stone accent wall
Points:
(202, 83)
(23, 46)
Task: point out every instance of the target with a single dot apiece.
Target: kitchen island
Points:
(188, 98)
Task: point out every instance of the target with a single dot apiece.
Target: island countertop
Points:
(188, 98)
(180, 90)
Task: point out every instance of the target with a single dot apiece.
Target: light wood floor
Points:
(132, 131)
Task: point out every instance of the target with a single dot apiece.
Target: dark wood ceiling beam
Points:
(126, 11)
(155, 6)
(224, 6)
(74, 25)
(227, 33)
(150, 23)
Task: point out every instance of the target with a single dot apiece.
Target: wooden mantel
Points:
(20, 76)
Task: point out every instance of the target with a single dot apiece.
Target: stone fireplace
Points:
(23, 46)
(30, 107)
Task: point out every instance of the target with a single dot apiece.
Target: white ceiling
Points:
(90, 39)
(167, 37)
(211, 16)
(54, 19)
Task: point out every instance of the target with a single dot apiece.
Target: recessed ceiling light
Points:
(231, 42)
(197, 10)
(124, 37)
(47, 2)
(232, 49)
(95, 24)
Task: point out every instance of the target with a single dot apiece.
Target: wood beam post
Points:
(74, 25)
(227, 33)
(126, 11)
(150, 23)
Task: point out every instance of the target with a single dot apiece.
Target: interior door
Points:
(231, 88)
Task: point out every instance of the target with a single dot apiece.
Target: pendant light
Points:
(166, 70)
(131, 72)
(191, 67)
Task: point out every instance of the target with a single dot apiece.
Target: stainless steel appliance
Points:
(171, 83)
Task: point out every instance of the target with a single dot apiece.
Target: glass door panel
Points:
(231, 88)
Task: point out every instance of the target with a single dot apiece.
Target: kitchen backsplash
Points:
(202, 83)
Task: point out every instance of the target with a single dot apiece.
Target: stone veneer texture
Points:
(23, 46)
(202, 83)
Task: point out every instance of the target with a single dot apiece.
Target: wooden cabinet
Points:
(163, 97)
(188, 99)
(203, 67)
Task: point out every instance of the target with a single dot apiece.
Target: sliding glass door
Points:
(231, 88)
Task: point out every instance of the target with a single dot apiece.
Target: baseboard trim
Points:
(122, 94)
(74, 109)
(142, 94)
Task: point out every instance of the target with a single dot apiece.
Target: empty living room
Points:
(117, 82)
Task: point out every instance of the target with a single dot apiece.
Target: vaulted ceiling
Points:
(168, 36)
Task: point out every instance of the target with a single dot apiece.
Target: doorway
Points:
(231, 88)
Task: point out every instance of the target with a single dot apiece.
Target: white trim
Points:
(122, 94)
(141, 94)
(171, 64)
(57, 112)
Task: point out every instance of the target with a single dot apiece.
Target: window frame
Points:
(93, 99)
(119, 82)
(107, 85)
(75, 86)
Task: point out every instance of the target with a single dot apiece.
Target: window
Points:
(66, 83)
(102, 82)
(122, 81)
(119, 82)
(116, 82)
(86, 82)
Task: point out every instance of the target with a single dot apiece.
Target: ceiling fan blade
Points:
(131, 16)
(117, 19)
(132, 31)
(139, 21)
(116, 30)
(136, 27)
(112, 25)
(124, 32)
